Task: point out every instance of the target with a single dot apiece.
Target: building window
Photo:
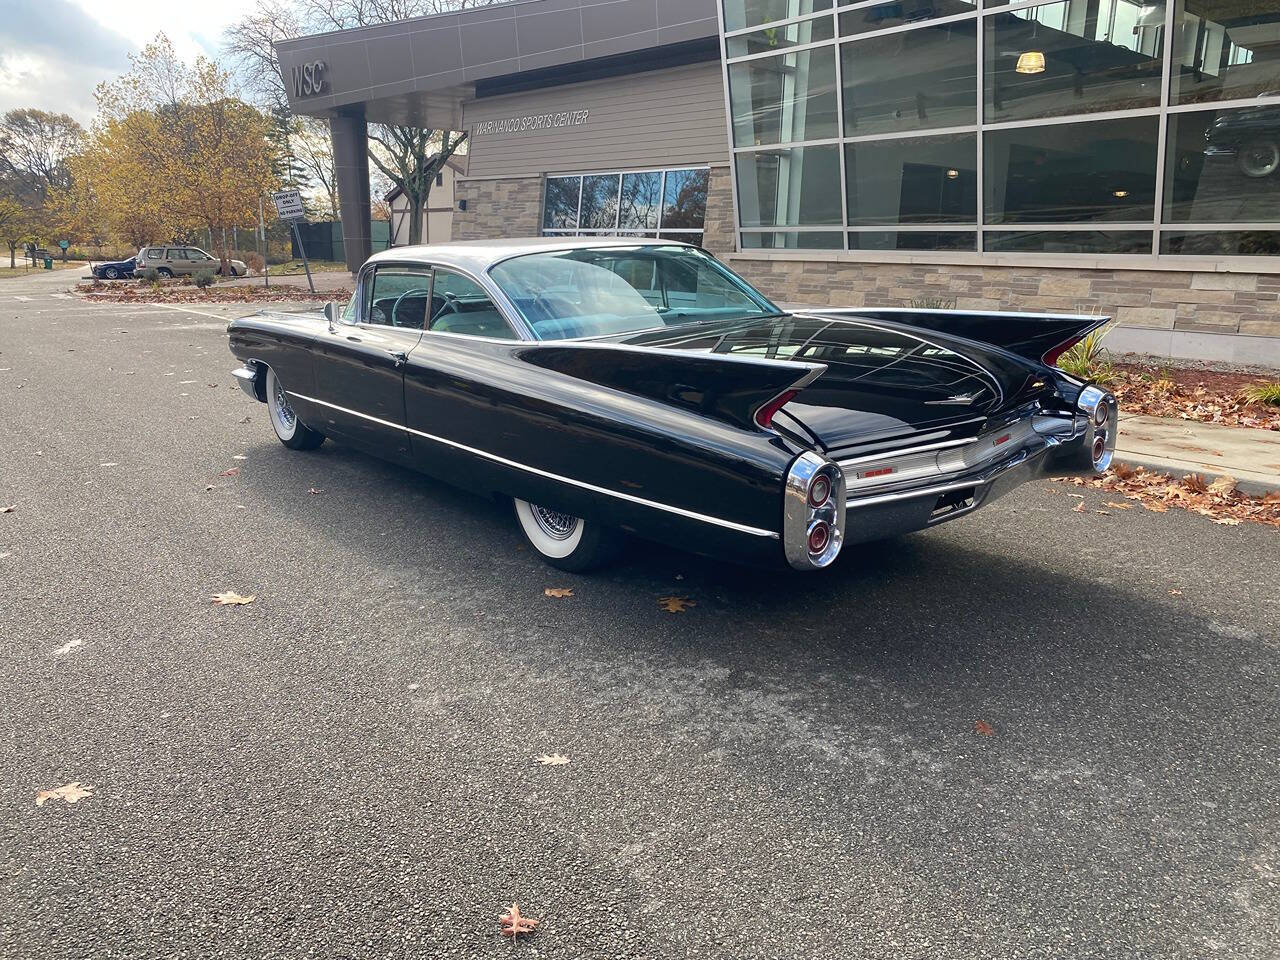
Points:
(671, 204)
(1037, 127)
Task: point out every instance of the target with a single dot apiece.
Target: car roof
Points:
(479, 255)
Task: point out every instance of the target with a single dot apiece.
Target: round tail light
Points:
(819, 537)
(1099, 448)
(820, 491)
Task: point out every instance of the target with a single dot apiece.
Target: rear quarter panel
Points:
(478, 394)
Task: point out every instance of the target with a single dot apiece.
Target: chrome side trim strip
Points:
(679, 511)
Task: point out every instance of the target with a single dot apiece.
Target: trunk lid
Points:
(886, 385)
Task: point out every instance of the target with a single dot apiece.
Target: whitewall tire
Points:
(565, 541)
(293, 433)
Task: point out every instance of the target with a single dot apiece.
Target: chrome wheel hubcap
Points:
(556, 525)
(283, 410)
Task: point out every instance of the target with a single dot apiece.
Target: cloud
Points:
(55, 52)
(52, 56)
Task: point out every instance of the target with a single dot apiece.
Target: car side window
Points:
(398, 296)
(460, 305)
(173, 253)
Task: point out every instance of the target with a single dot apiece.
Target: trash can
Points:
(48, 263)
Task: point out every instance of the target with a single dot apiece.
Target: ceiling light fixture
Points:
(1030, 62)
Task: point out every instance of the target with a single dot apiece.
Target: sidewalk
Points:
(1180, 447)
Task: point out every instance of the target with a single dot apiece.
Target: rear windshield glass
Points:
(598, 291)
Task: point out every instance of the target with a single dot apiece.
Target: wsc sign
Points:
(309, 79)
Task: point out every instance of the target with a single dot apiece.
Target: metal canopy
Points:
(418, 72)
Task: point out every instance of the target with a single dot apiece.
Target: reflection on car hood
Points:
(885, 383)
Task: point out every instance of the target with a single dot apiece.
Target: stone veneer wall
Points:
(1244, 303)
(498, 208)
(718, 234)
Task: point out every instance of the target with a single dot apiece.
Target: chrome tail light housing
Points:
(813, 512)
(1102, 422)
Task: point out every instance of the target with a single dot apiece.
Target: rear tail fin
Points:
(743, 391)
(1042, 337)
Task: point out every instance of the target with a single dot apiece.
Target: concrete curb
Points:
(1256, 488)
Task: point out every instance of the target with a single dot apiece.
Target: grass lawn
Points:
(21, 271)
(295, 268)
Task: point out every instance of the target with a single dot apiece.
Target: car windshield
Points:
(598, 291)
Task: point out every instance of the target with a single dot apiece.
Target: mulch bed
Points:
(1220, 501)
(1205, 396)
(177, 291)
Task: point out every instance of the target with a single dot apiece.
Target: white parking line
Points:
(199, 313)
(62, 296)
(23, 299)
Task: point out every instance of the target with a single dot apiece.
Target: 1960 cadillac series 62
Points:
(609, 385)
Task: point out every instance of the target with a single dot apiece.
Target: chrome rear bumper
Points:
(875, 516)
(926, 494)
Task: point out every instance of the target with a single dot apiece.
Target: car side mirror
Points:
(332, 312)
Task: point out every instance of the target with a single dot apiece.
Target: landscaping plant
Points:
(1268, 393)
(1086, 360)
(204, 279)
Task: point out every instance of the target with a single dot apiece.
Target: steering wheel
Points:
(408, 293)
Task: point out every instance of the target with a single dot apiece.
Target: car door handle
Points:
(399, 356)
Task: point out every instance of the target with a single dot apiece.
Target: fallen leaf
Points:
(71, 793)
(514, 923)
(1228, 521)
(1079, 507)
(1224, 486)
(9, 509)
(1103, 513)
(1195, 483)
(239, 456)
(1175, 593)
(314, 492)
(109, 464)
(1118, 506)
(558, 592)
(68, 647)
(984, 728)
(553, 759)
(1078, 496)
(246, 420)
(676, 604)
(233, 471)
(230, 598)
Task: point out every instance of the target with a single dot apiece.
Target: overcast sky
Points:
(54, 52)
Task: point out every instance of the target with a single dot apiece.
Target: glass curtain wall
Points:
(1147, 127)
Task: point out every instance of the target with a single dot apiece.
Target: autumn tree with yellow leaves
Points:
(173, 151)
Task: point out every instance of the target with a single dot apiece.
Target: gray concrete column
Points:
(350, 135)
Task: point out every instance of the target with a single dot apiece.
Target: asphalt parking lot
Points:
(1028, 733)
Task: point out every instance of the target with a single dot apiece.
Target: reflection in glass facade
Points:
(671, 204)
(790, 187)
(785, 98)
(1069, 127)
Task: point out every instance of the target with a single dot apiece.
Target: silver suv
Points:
(183, 262)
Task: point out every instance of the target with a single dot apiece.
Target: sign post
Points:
(289, 207)
(262, 238)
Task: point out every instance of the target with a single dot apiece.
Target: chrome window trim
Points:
(582, 484)
(505, 307)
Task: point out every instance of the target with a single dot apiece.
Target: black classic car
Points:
(610, 385)
(114, 269)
